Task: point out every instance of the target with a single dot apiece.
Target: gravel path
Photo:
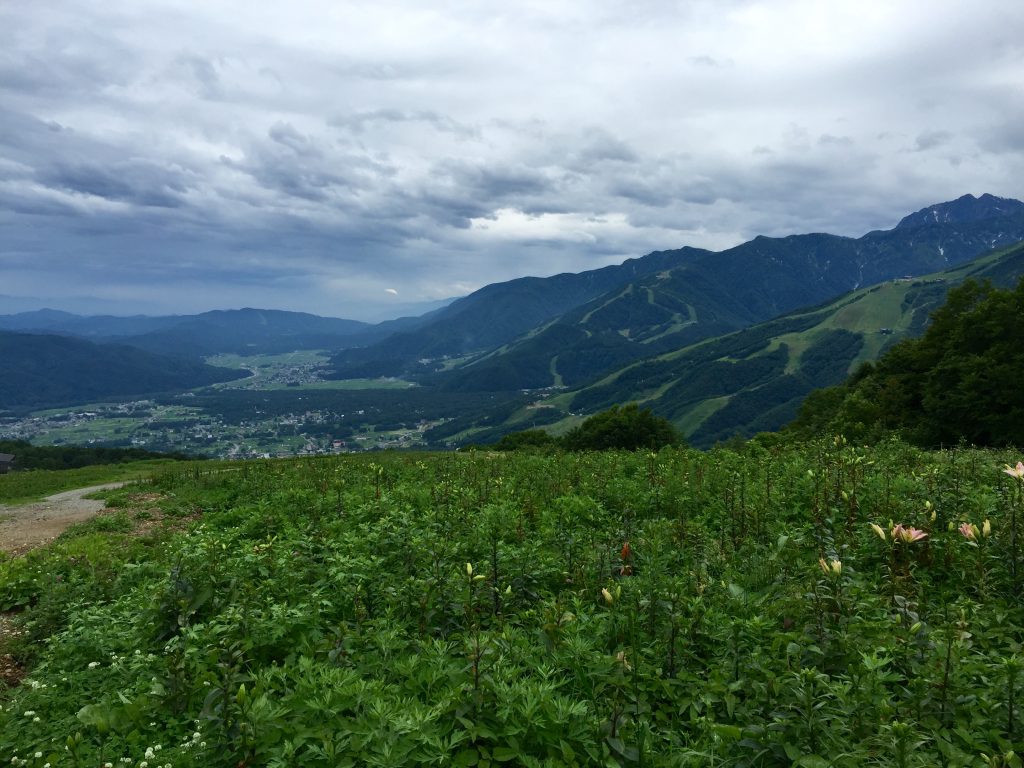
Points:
(27, 526)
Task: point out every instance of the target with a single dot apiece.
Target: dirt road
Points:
(31, 525)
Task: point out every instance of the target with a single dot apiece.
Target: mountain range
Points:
(590, 333)
(676, 298)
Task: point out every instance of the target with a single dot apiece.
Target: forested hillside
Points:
(43, 370)
(961, 381)
(700, 295)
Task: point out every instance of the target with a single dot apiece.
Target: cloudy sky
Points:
(357, 158)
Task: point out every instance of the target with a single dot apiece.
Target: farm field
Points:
(815, 604)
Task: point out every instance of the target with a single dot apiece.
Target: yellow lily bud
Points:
(986, 529)
(469, 569)
(607, 596)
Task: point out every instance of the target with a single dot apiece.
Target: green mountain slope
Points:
(710, 294)
(755, 379)
(45, 370)
(495, 315)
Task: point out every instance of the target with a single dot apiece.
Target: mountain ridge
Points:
(713, 293)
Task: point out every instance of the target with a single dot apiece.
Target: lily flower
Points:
(969, 531)
(1017, 471)
(881, 533)
(907, 535)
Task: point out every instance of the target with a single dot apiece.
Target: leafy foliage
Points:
(733, 608)
(959, 381)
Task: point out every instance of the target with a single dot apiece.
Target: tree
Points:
(527, 439)
(626, 427)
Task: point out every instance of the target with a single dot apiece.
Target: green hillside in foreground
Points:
(754, 380)
(671, 610)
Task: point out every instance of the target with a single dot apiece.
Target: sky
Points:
(362, 159)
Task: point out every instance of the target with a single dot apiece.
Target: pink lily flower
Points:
(969, 531)
(907, 535)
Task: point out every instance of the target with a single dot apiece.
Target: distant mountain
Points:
(755, 379)
(39, 319)
(242, 331)
(92, 327)
(45, 370)
(962, 210)
(494, 315)
(708, 294)
(250, 331)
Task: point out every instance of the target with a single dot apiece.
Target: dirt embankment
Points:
(27, 526)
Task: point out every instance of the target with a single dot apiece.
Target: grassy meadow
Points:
(815, 604)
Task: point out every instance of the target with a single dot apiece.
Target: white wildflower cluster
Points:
(193, 741)
(93, 664)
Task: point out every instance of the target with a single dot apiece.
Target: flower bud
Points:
(607, 596)
(469, 569)
(986, 529)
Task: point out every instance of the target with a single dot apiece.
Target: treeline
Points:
(28, 456)
(961, 381)
(618, 428)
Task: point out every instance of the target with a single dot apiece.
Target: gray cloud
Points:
(225, 154)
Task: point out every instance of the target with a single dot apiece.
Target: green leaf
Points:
(467, 757)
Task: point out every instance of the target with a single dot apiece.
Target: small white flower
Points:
(93, 664)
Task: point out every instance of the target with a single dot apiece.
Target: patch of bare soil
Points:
(28, 526)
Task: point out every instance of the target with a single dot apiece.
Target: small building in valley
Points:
(6, 460)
